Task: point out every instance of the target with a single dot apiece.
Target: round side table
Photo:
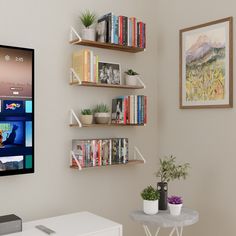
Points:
(163, 219)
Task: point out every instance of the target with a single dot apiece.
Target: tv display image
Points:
(16, 110)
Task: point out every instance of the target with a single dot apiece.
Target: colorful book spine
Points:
(120, 30)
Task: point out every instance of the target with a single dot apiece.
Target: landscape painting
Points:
(206, 65)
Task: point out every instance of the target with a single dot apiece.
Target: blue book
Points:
(116, 29)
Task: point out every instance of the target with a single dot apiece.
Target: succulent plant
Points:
(86, 112)
(131, 72)
(101, 108)
(88, 18)
(175, 200)
(150, 194)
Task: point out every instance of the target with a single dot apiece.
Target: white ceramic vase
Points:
(86, 119)
(150, 207)
(175, 209)
(131, 80)
(88, 34)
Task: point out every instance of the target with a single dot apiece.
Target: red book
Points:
(145, 109)
(128, 110)
(125, 110)
(120, 30)
(134, 33)
(99, 153)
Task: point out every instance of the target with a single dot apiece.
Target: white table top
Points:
(165, 220)
(76, 224)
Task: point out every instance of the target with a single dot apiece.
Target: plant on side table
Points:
(175, 204)
(86, 116)
(169, 171)
(88, 19)
(131, 77)
(150, 200)
(102, 114)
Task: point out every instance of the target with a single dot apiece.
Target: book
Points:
(120, 30)
(101, 31)
(78, 63)
(116, 29)
(124, 30)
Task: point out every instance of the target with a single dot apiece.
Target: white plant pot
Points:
(150, 207)
(88, 34)
(175, 209)
(131, 80)
(102, 118)
(86, 119)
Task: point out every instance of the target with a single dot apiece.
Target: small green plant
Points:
(169, 170)
(88, 18)
(86, 112)
(150, 194)
(101, 108)
(131, 72)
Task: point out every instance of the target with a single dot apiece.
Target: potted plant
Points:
(102, 114)
(175, 204)
(88, 19)
(169, 171)
(131, 77)
(150, 200)
(86, 116)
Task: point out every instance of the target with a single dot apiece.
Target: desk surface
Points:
(81, 223)
(165, 220)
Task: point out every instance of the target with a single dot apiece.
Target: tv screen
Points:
(16, 110)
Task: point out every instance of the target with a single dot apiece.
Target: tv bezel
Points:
(31, 170)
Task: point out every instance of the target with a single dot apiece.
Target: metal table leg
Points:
(179, 231)
(147, 231)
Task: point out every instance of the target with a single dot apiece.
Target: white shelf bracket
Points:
(73, 117)
(74, 77)
(77, 162)
(138, 155)
(141, 82)
(74, 34)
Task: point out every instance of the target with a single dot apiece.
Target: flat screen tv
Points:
(16, 110)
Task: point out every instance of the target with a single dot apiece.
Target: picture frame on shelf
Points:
(206, 65)
(109, 73)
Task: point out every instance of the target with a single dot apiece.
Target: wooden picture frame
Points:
(206, 65)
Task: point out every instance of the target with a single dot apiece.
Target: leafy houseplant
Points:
(102, 114)
(88, 18)
(167, 172)
(86, 116)
(150, 200)
(131, 77)
(175, 204)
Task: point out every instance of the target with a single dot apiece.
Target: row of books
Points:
(123, 30)
(129, 110)
(85, 65)
(99, 152)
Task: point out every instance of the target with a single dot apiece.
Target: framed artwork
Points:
(206, 65)
(109, 73)
(16, 110)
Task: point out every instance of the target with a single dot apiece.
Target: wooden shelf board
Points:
(110, 46)
(130, 162)
(107, 125)
(119, 86)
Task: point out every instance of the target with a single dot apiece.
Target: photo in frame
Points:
(109, 73)
(206, 65)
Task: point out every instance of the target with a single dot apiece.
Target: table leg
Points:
(179, 232)
(147, 231)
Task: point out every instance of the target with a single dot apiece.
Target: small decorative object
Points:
(175, 204)
(86, 117)
(150, 200)
(88, 19)
(131, 77)
(168, 171)
(109, 73)
(102, 114)
(206, 65)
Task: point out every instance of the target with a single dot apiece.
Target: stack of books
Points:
(85, 65)
(129, 110)
(99, 152)
(123, 30)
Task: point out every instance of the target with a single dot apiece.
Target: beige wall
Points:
(54, 188)
(205, 138)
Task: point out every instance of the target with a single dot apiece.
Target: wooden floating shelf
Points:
(130, 162)
(109, 46)
(119, 86)
(107, 125)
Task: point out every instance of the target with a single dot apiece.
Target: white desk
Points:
(77, 224)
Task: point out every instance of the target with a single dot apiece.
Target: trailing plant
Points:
(88, 18)
(175, 200)
(150, 194)
(86, 112)
(101, 108)
(131, 72)
(169, 170)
